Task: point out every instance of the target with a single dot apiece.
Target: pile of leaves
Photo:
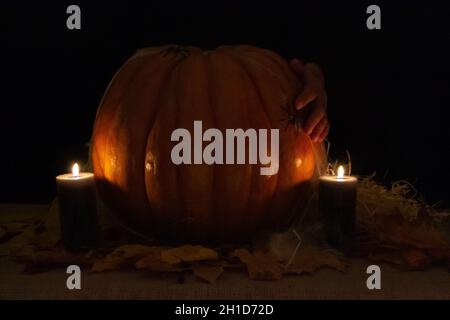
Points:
(394, 227)
(36, 244)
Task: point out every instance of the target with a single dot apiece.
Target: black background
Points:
(388, 89)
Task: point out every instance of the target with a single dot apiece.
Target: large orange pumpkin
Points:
(164, 88)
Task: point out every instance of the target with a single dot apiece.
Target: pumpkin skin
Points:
(164, 88)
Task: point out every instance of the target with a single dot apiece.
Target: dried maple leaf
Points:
(32, 236)
(103, 265)
(26, 238)
(3, 233)
(260, 265)
(188, 253)
(52, 224)
(417, 235)
(207, 273)
(125, 255)
(439, 255)
(310, 259)
(15, 227)
(154, 262)
(392, 257)
(416, 259)
(12, 229)
(58, 256)
(61, 257)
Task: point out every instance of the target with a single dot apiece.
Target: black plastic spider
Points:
(292, 117)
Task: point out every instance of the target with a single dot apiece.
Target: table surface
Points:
(324, 284)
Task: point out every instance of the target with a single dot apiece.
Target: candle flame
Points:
(340, 174)
(76, 170)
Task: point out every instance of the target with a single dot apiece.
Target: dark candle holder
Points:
(337, 206)
(78, 211)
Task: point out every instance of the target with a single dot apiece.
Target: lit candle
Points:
(77, 209)
(337, 204)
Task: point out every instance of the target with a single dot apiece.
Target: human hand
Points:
(316, 124)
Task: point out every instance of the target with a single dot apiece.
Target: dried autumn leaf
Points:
(188, 253)
(417, 235)
(4, 249)
(260, 265)
(439, 255)
(103, 265)
(62, 257)
(232, 265)
(389, 257)
(52, 224)
(25, 253)
(43, 235)
(32, 235)
(153, 262)
(23, 239)
(3, 233)
(416, 259)
(57, 256)
(10, 230)
(133, 251)
(208, 273)
(310, 259)
(122, 256)
(14, 228)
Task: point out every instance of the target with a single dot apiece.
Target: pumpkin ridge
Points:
(101, 113)
(266, 111)
(207, 62)
(263, 113)
(232, 178)
(116, 119)
(183, 210)
(165, 85)
(242, 74)
(194, 181)
(278, 61)
(130, 104)
(103, 134)
(281, 176)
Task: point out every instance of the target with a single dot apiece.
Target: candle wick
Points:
(75, 170)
